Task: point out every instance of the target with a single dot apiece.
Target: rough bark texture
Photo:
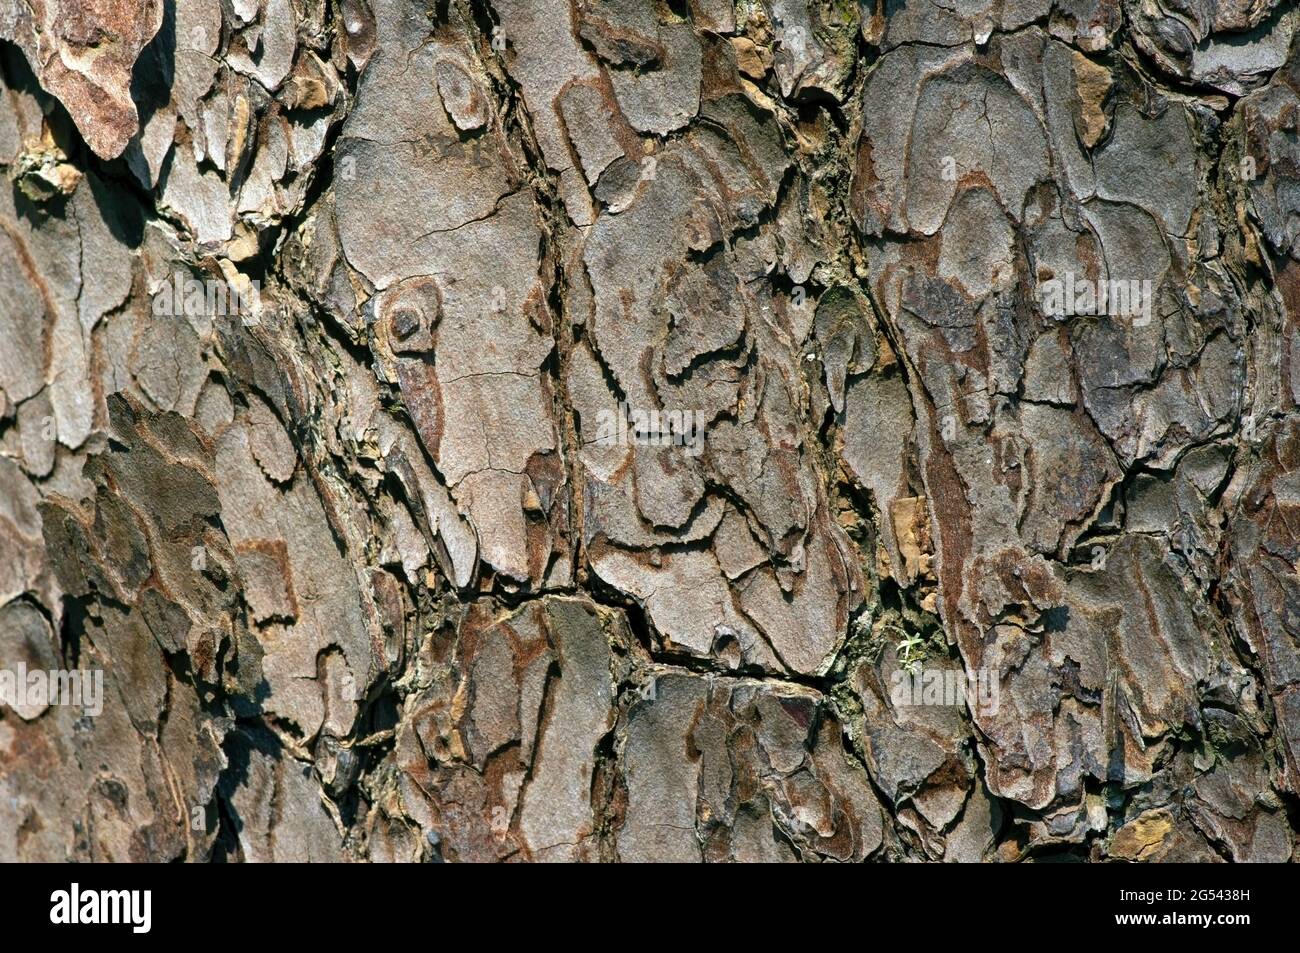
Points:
(370, 576)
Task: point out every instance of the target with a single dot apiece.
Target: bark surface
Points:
(596, 430)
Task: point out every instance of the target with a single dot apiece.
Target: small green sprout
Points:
(911, 653)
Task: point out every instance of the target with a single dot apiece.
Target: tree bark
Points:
(651, 430)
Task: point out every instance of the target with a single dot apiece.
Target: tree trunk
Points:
(649, 430)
